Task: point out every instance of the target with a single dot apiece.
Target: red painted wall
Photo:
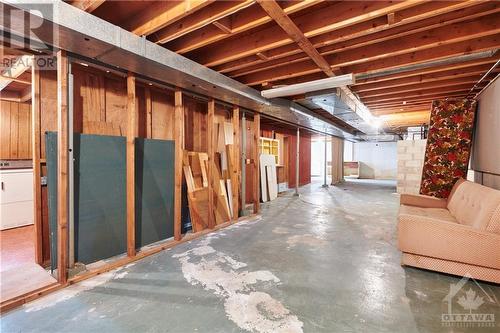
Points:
(305, 154)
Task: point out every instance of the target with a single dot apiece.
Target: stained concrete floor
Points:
(323, 262)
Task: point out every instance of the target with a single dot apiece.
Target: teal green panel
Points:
(51, 160)
(154, 190)
(100, 196)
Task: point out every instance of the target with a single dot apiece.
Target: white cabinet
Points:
(16, 198)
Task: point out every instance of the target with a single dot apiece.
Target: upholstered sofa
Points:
(459, 235)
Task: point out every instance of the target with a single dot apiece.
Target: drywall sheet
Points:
(154, 190)
(99, 197)
(268, 180)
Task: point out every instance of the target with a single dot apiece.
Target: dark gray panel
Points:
(100, 196)
(154, 190)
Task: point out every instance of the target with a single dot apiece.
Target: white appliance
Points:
(16, 198)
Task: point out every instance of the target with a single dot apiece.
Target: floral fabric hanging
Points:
(448, 145)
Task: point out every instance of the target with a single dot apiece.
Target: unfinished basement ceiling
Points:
(403, 54)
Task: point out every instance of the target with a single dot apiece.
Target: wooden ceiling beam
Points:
(388, 111)
(422, 93)
(414, 118)
(272, 8)
(465, 66)
(242, 21)
(87, 5)
(363, 34)
(18, 67)
(487, 43)
(455, 33)
(162, 13)
(210, 14)
(422, 78)
(410, 57)
(410, 102)
(314, 23)
(224, 24)
(419, 86)
(15, 79)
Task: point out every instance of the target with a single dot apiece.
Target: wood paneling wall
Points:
(15, 130)
(195, 122)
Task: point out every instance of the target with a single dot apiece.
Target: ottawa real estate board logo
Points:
(465, 302)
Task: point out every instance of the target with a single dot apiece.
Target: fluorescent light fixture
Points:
(302, 88)
(377, 123)
(301, 112)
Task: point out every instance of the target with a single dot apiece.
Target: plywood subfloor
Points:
(19, 273)
(23, 279)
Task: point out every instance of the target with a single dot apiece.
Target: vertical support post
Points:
(256, 154)
(326, 164)
(71, 227)
(149, 116)
(62, 166)
(211, 161)
(243, 163)
(131, 133)
(179, 147)
(337, 160)
(297, 160)
(236, 161)
(37, 173)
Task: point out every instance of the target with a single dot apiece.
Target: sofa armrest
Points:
(423, 201)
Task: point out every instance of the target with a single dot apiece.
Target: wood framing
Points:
(266, 43)
(37, 172)
(162, 13)
(131, 134)
(62, 166)
(236, 161)
(274, 10)
(179, 148)
(87, 5)
(149, 115)
(211, 162)
(255, 157)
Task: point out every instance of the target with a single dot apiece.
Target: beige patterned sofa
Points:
(459, 235)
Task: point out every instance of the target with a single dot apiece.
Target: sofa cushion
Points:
(448, 240)
(473, 204)
(434, 213)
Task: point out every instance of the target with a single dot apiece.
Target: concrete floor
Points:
(323, 262)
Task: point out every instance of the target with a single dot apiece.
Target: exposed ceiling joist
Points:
(162, 13)
(473, 31)
(20, 65)
(314, 23)
(361, 35)
(242, 21)
(87, 5)
(213, 13)
(281, 18)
